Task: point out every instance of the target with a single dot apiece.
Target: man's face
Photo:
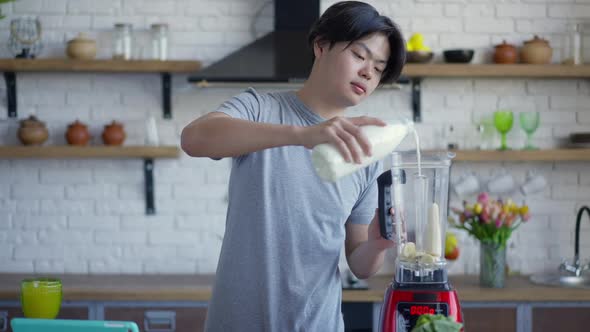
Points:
(353, 71)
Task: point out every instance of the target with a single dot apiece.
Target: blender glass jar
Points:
(419, 196)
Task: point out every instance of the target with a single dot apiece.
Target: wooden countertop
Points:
(198, 288)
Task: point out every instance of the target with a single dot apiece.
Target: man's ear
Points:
(319, 47)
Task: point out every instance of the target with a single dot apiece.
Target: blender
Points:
(416, 187)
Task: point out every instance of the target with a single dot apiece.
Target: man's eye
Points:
(358, 56)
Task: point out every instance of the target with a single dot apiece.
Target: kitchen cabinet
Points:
(8, 312)
(571, 319)
(160, 318)
(489, 319)
(357, 316)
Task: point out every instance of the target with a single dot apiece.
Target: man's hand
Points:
(365, 248)
(344, 133)
(375, 235)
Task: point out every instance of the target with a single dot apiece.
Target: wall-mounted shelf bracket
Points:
(416, 97)
(10, 78)
(148, 172)
(166, 95)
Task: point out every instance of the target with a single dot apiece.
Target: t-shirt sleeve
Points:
(364, 209)
(245, 106)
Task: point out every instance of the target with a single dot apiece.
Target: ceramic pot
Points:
(81, 47)
(32, 131)
(77, 134)
(505, 53)
(536, 51)
(113, 134)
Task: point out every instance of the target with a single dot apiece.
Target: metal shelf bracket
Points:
(166, 95)
(416, 99)
(10, 79)
(148, 172)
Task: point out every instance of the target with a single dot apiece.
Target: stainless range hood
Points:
(281, 56)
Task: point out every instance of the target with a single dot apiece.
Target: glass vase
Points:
(492, 265)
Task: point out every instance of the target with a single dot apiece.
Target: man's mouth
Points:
(359, 88)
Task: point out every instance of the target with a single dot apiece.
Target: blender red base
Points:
(401, 308)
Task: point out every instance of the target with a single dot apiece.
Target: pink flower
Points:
(462, 218)
(485, 216)
(483, 198)
(498, 222)
(494, 211)
(526, 217)
(510, 220)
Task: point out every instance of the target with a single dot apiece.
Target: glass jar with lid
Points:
(159, 36)
(122, 41)
(572, 50)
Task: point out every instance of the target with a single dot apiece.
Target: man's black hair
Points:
(349, 21)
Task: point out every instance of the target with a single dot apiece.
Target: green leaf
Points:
(436, 323)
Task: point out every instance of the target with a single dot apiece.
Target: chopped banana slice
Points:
(428, 259)
(409, 250)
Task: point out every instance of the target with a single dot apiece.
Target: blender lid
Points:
(428, 159)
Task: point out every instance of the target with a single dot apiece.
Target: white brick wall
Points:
(87, 216)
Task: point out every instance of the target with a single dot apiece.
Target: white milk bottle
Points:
(331, 166)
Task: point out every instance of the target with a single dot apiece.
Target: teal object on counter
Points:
(71, 325)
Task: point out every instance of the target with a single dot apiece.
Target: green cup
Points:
(503, 120)
(41, 297)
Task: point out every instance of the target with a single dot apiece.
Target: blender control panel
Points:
(410, 311)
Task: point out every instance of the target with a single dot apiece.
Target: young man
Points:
(278, 269)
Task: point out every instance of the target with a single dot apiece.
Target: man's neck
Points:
(318, 100)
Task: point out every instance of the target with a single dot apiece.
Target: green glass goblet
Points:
(529, 122)
(503, 120)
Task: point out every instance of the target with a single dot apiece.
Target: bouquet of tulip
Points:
(490, 221)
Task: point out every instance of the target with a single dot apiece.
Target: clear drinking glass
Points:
(503, 121)
(25, 37)
(529, 122)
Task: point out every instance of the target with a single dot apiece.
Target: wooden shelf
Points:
(414, 73)
(120, 66)
(147, 153)
(84, 152)
(523, 155)
(495, 70)
(165, 68)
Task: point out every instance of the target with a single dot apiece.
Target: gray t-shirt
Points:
(285, 228)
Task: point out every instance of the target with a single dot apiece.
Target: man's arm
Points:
(365, 248)
(217, 135)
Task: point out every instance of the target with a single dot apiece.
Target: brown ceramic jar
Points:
(505, 53)
(32, 131)
(536, 51)
(113, 134)
(81, 47)
(77, 134)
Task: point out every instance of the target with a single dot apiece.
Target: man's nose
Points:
(365, 72)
